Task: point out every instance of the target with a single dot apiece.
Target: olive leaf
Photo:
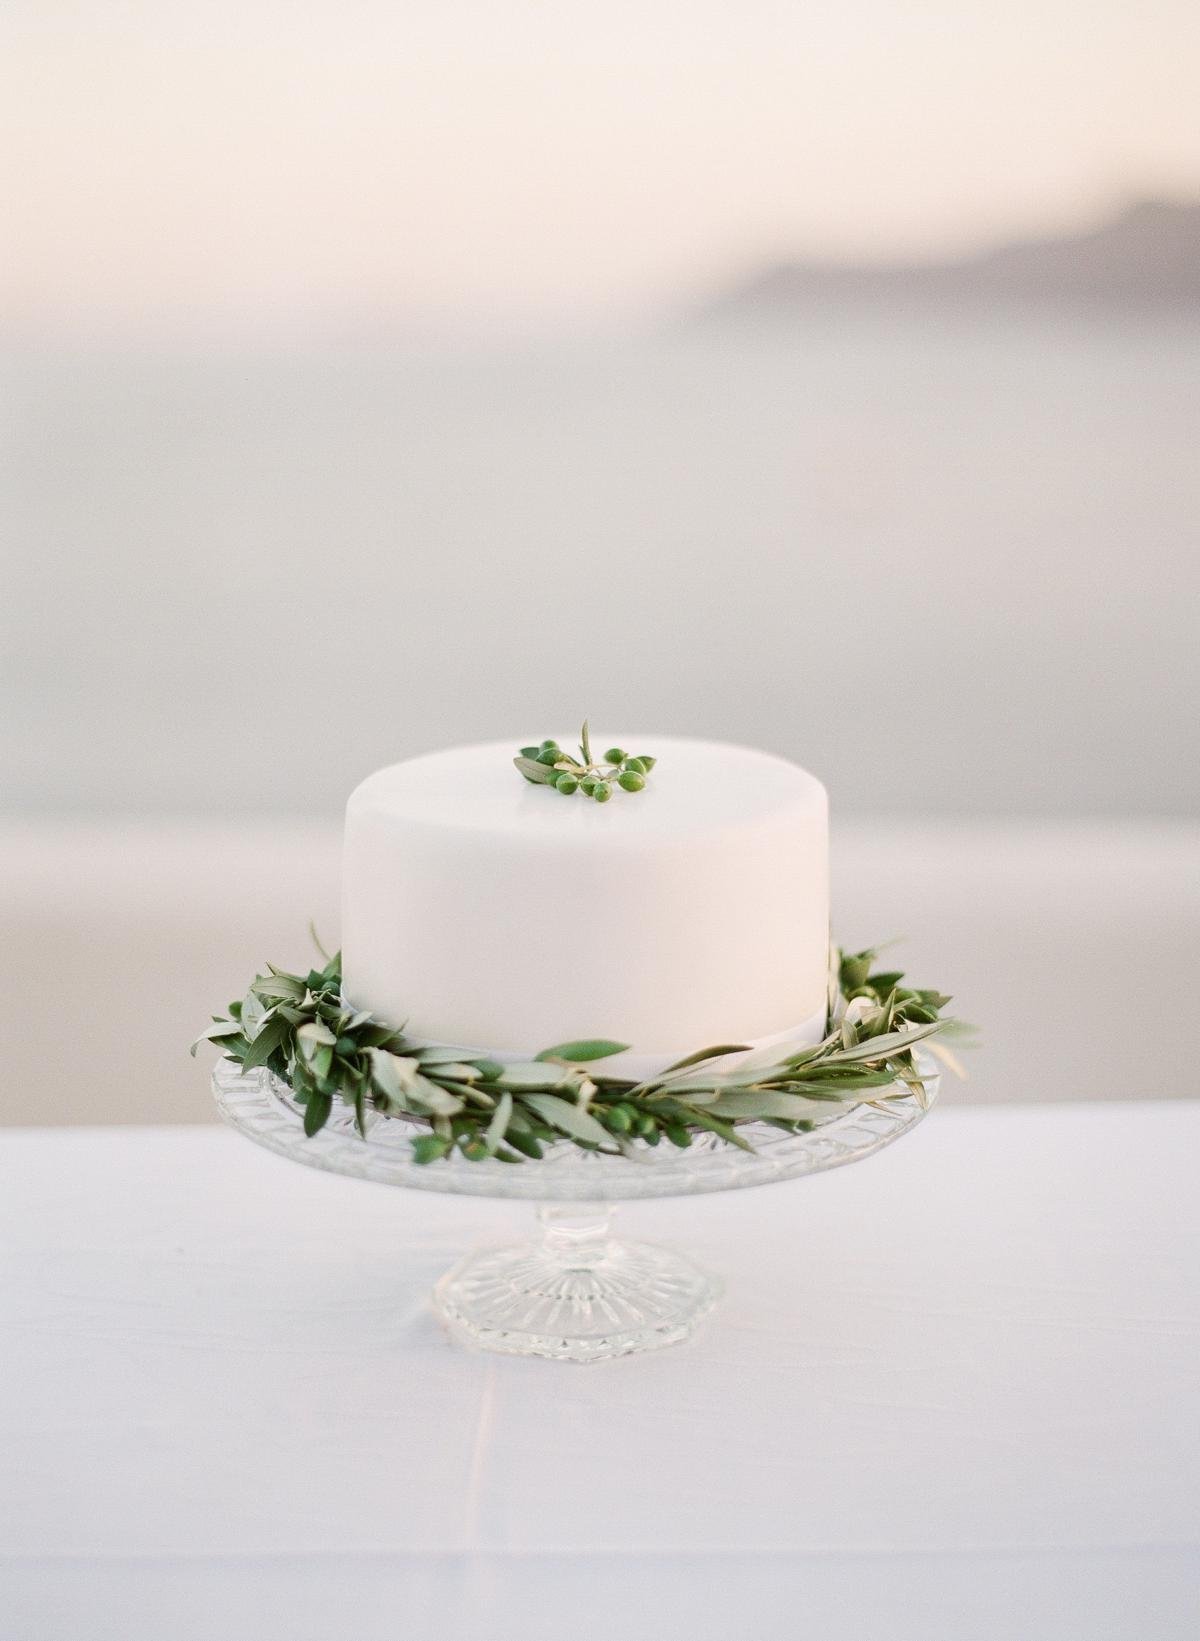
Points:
(316, 1112)
(533, 1074)
(539, 774)
(588, 1048)
(703, 1054)
(391, 1074)
(752, 1103)
(220, 1029)
(498, 1126)
(570, 1120)
(428, 1096)
(270, 1036)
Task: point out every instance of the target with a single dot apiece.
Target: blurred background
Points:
(378, 377)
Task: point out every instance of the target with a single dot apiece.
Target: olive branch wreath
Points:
(302, 1029)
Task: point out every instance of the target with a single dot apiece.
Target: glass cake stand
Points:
(576, 1293)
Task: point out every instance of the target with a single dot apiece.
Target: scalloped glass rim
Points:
(260, 1105)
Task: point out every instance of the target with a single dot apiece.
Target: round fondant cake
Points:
(490, 913)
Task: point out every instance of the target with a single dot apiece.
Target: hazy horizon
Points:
(702, 295)
(949, 565)
(485, 169)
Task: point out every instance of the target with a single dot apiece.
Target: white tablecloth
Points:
(952, 1391)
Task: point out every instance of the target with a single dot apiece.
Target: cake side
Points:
(481, 911)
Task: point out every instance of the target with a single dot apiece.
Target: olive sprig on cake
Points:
(548, 765)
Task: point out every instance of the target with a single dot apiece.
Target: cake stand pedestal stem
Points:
(576, 1236)
(576, 1293)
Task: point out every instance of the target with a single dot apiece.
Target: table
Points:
(951, 1391)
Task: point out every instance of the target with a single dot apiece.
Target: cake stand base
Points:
(576, 1294)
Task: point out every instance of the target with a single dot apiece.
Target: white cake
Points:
(502, 917)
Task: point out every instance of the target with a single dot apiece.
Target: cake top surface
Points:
(696, 786)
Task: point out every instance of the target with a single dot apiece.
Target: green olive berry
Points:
(588, 783)
(549, 755)
(614, 755)
(547, 745)
(635, 766)
(602, 792)
(620, 1119)
(647, 762)
(632, 782)
(567, 784)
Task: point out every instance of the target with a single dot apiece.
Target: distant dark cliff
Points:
(1149, 255)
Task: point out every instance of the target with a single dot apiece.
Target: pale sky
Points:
(461, 161)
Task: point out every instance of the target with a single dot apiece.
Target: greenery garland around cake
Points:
(302, 1029)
